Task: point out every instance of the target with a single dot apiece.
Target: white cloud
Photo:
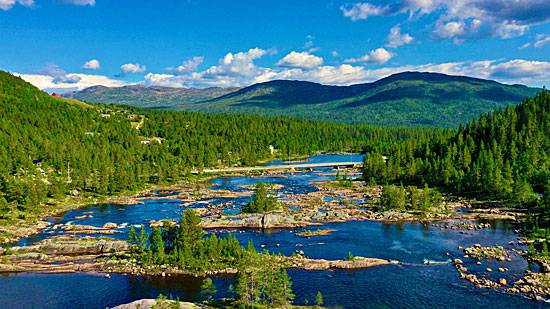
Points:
(79, 2)
(231, 70)
(239, 64)
(187, 66)
(396, 38)
(129, 68)
(300, 60)
(8, 4)
(334, 53)
(521, 70)
(84, 81)
(91, 65)
(57, 74)
(542, 41)
(463, 19)
(378, 56)
(451, 30)
(363, 11)
(524, 46)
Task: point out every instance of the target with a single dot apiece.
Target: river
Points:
(423, 278)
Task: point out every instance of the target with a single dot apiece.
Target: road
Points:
(140, 123)
(280, 167)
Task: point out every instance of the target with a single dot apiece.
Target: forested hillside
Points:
(49, 145)
(502, 155)
(410, 99)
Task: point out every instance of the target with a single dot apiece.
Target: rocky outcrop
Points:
(321, 264)
(479, 252)
(108, 228)
(21, 230)
(532, 284)
(61, 254)
(150, 303)
(65, 245)
(276, 220)
(257, 221)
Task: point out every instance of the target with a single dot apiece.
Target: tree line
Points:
(503, 155)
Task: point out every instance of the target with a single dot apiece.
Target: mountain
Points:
(404, 99)
(148, 97)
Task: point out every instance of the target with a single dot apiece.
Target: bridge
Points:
(281, 167)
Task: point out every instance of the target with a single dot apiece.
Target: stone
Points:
(74, 192)
(270, 220)
(107, 276)
(478, 246)
(458, 261)
(501, 269)
(488, 270)
(110, 225)
(502, 281)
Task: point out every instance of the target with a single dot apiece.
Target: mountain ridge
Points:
(402, 99)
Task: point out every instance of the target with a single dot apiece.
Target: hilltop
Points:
(404, 99)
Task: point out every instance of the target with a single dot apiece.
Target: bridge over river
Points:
(281, 167)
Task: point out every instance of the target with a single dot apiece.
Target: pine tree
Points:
(132, 238)
(157, 245)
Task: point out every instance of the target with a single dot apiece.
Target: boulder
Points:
(110, 225)
(502, 281)
(270, 220)
(74, 192)
(252, 221)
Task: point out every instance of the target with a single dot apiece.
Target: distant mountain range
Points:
(403, 99)
(149, 96)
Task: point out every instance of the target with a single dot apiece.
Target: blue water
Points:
(357, 158)
(411, 284)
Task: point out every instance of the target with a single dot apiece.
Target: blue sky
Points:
(64, 45)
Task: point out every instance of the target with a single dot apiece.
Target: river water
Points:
(424, 277)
